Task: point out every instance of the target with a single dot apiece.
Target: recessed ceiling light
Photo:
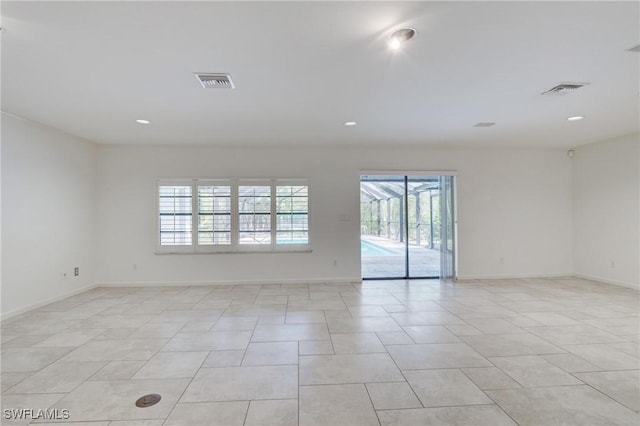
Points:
(575, 118)
(400, 36)
(350, 123)
(143, 122)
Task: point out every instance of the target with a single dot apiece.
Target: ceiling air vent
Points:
(484, 124)
(564, 88)
(215, 81)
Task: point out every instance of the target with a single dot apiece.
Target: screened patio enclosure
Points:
(404, 221)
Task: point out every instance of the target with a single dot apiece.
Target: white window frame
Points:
(290, 247)
(254, 247)
(213, 248)
(235, 246)
(173, 248)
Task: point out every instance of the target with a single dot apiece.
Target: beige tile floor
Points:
(500, 352)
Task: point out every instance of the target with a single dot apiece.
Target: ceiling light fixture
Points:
(350, 123)
(575, 118)
(400, 36)
(143, 122)
(564, 89)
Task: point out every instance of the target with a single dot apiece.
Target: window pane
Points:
(292, 237)
(205, 223)
(222, 238)
(254, 207)
(175, 215)
(292, 224)
(255, 238)
(222, 222)
(214, 213)
(205, 238)
(222, 203)
(283, 222)
(300, 223)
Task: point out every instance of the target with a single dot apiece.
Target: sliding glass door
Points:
(447, 228)
(406, 226)
(423, 214)
(382, 227)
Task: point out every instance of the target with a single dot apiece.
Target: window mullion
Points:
(274, 215)
(235, 214)
(195, 214)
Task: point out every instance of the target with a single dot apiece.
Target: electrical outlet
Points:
(76, 271)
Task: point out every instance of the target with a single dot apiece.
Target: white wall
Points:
(514, 205)
(48, 214)
(67, 203)
(606, 187)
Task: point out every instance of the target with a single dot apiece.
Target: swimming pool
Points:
(368, 248)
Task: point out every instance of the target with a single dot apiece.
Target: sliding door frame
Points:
(405, 174)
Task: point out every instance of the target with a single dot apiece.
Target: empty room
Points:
(320, 213)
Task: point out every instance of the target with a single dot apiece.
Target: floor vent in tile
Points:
(148, 400)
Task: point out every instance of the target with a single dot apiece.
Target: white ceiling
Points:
(304, 68)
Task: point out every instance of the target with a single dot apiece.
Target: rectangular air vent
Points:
(564, 88)
(215, 81)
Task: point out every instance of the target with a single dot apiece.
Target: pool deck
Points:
(423, 262)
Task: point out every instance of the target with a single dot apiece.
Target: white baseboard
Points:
(230, 282)
(607, 281)
(512, 277)
(6, 315)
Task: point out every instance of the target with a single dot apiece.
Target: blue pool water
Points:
(369, 249)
